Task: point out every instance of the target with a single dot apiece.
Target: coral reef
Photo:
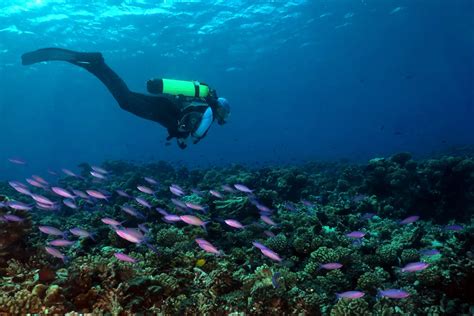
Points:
(295, 220)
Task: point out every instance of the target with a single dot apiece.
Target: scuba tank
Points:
(192, 89)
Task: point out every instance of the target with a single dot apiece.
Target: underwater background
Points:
(343, 183)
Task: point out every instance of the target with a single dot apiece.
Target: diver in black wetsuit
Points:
(185, 108)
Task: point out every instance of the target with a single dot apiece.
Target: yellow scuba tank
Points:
(193, 89)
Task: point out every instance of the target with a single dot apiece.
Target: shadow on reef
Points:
(293, 221)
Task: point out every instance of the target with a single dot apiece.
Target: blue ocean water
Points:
(305, 79)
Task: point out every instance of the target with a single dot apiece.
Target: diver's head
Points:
(222, 111)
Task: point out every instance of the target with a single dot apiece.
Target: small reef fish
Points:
(123, 257)
(96, 194)
(131, 234)
(132, 211)
(216, 194)
(80, 194)
(151, 180)
(429, 252)
(356, 234)
(393, 293)
(123, 194)
(41, 199)
(40, 179)
(275, 277)
(350, 295)
(409, 220)
(62, 192)
(234, 223)
(242, 188)
(47, 207)
(17, 161)
(56, 253)
(79, 232)
(176, 190)
(268, 233)
(145, 189)
(172, 218)
(331, 266)
(208, 247)
(262, 208)
(143, 202)
(267, 220)
(227, 188)
(50, 230)
(61, 243)
(12, 218)
(20, 206)
(453, 227)
(20, 187)
(69, 173)
(99, 169)
(70, 203)
(271, 254)
(192, 220)
(98, 175)
(178, 203)
(35, 183)
(259, 245)
(110, 221)
(415, 266)
(195, 207)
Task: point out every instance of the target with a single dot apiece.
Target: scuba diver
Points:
(184, 108)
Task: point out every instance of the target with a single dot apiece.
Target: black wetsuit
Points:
(163, 109)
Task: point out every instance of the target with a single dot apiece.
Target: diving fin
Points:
(48, 54)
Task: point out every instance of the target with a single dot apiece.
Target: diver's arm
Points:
(156, 108)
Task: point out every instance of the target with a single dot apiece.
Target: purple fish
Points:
(242, 188)
(307, 203)
(20, 187)
(271, 254)
(80, 194)
(350, 295)
(415, 266)
(17, 161)
(143, 202)
(143, 228)
(99, 169)
(145, 189)
(409, 220)
(216, 194)
(207, 246)
(96, 194)
(290, 206)
(47, 207)
(123, 194)
(268, 233)
(267, 220)
(263, 208)
(176, 190)
(234, 223)
(227, 188)
(429, 252)
(131, 234)
(132, 211)
(79, 232)
(178, 203)
(259, 245)
(56, 253)
(62, 192)
(50, 230)
(18, 206)
(70, 203)
(331, 266)
(110, 221)
(97, 175)
(161, 211)
(151, 180)
(40, 179)
(35, 183)
(356, 234)
(172, 218)
(394, 293)
(12, 218)
(192, 220)
(61, 243)
(195, 207)
(69, 172)
(41, 199)
(123, 257)
(453, 227)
